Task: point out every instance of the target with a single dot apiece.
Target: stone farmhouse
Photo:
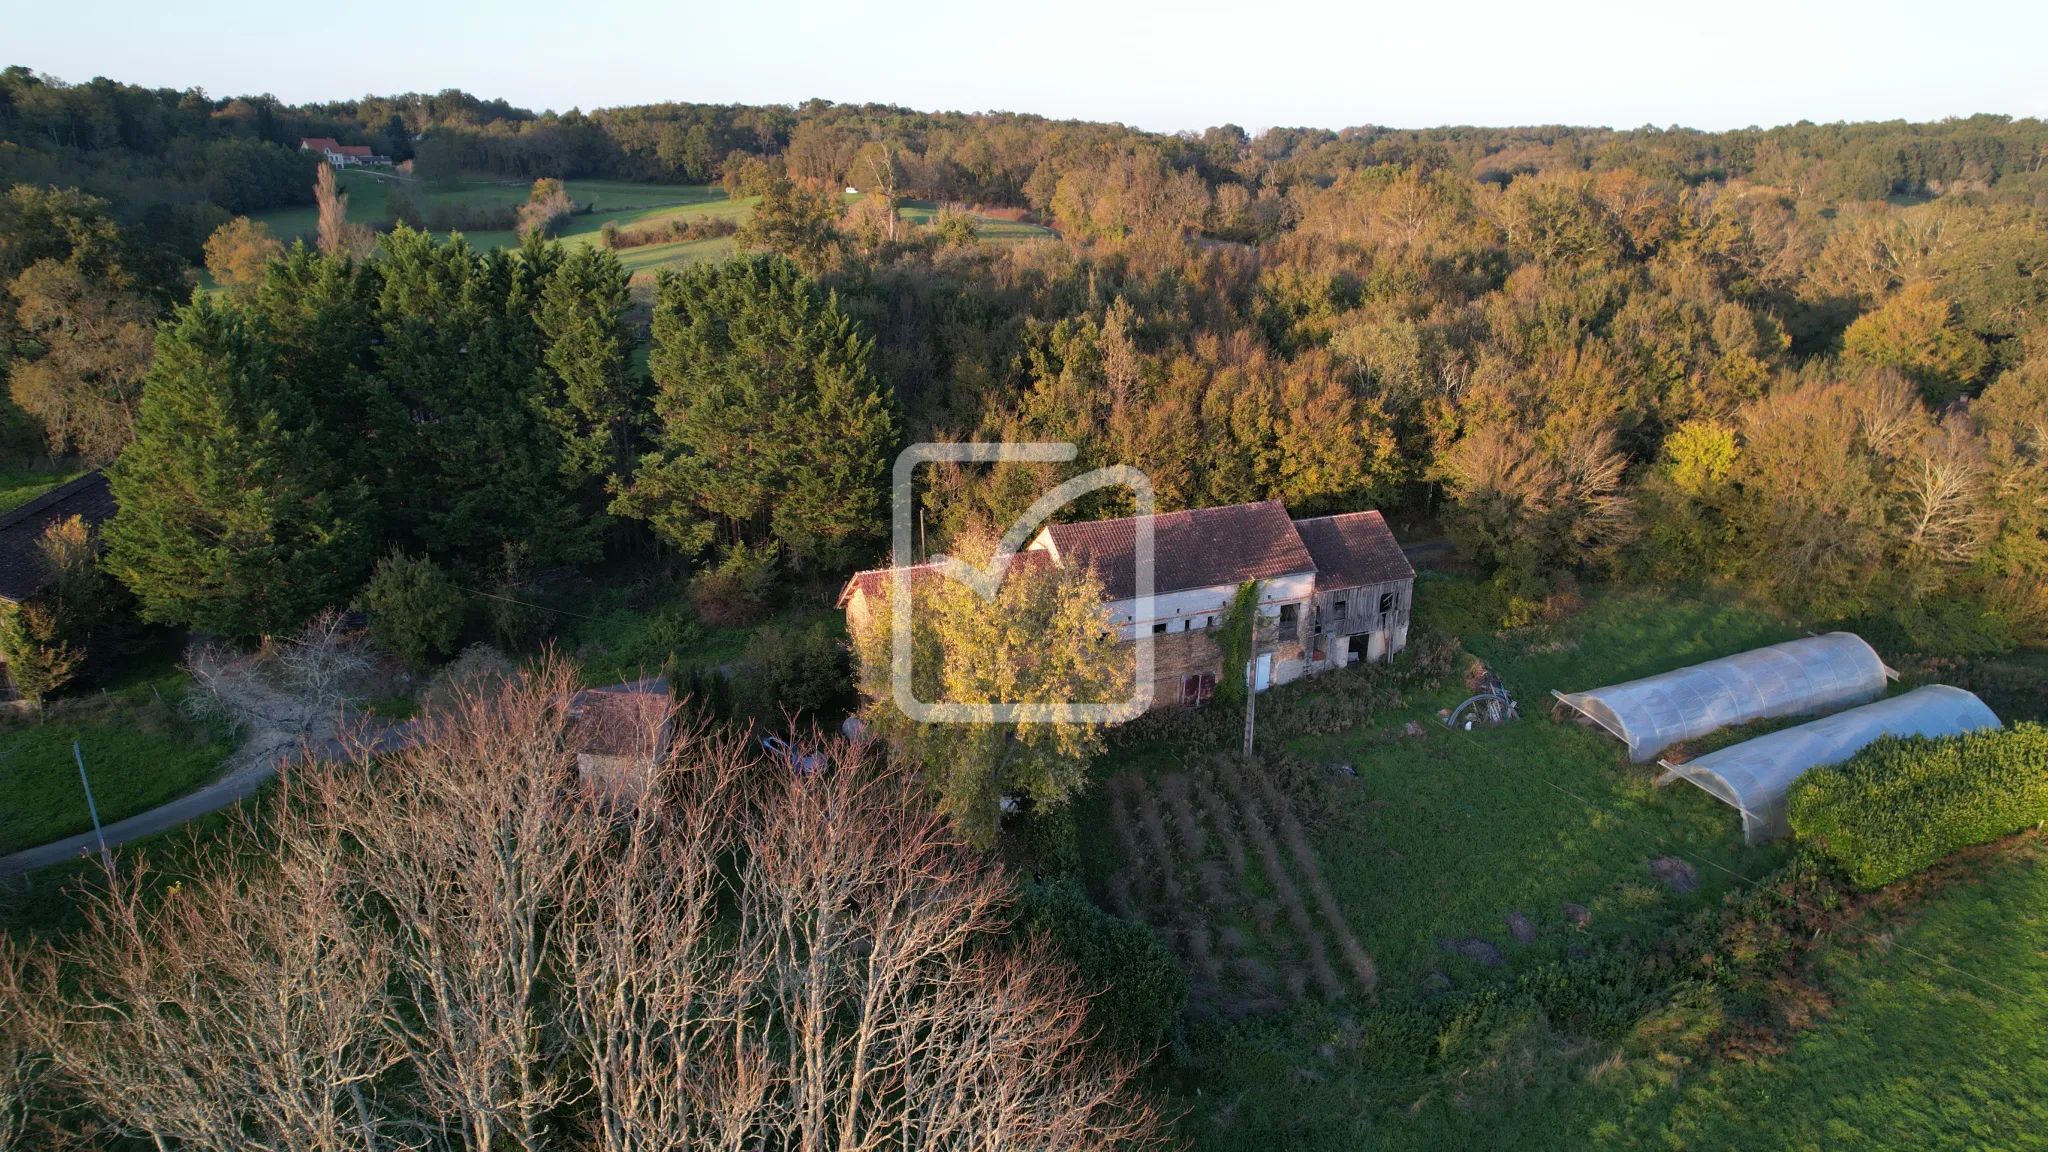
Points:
(1334, 589)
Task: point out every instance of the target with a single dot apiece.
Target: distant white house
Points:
(342, 155)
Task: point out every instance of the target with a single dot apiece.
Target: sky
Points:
(1160, 66)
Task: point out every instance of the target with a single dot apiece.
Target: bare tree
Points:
(457, 946)
(244, 1010)
(21, 1064)
(338, 237)
(289, 692)
(461, 849)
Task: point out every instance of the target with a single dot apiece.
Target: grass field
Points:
(1940, 1039)
(1002, 231)
(1443, 838)
(626, 205)
(18, 486)
(138, 750)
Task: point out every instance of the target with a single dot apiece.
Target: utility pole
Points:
(106, 860)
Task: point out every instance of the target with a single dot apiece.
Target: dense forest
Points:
(1812, 357)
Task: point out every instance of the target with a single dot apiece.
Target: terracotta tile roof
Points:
(21, 529)
(874, 582)
(1198, 548)
(351, 150)
(319, 143)
(1354, 549)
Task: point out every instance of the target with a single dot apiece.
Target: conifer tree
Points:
(232, 518)
(769, 420)
(466, 464)
(596, 401)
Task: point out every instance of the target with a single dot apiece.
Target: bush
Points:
(736, 591)
(38, 659)
(547, 207)
(414, 611)
(479, 670)
(1899, 806)
(1052, 837)
(1141, 987)
(791, 668)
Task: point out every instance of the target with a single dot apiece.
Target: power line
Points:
(524, 604)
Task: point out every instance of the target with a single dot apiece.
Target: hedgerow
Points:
(1900, 805)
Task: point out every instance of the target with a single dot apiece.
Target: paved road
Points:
(239, 786)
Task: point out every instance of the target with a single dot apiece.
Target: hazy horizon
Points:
(1587, 63)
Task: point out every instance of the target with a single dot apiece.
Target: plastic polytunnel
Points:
(1816, 674)
(1755, 775)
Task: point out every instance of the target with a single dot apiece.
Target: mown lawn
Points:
(138, 751)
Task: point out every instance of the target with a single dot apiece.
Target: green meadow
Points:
(626, 205)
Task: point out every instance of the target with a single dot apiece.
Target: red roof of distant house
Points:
(319, 143)
(361, 151)
(1198, 548)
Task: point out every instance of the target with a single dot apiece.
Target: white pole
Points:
(106, 860)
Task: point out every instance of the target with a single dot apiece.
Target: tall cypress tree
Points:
(596, 401)
(233, 516)
(771, 424)
(467, 466)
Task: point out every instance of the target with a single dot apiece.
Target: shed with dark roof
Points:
(21, 530)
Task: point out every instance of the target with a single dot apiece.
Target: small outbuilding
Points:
(621, 732)
(1756, 775)
(1814, 674)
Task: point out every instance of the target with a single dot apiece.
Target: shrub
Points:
(1899, 806)
(792, 668)
(1052, 837)
(480, 670)
(1141, 987)
(38, 659)
(736, 591)
(672, 231)
(414, 611)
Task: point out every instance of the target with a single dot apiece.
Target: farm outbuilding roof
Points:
(1755, 775)
(1815, 674)
(21, 530)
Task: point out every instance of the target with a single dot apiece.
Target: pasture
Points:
(628, 206)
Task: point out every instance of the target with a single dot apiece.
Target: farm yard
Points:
(1401, 936)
